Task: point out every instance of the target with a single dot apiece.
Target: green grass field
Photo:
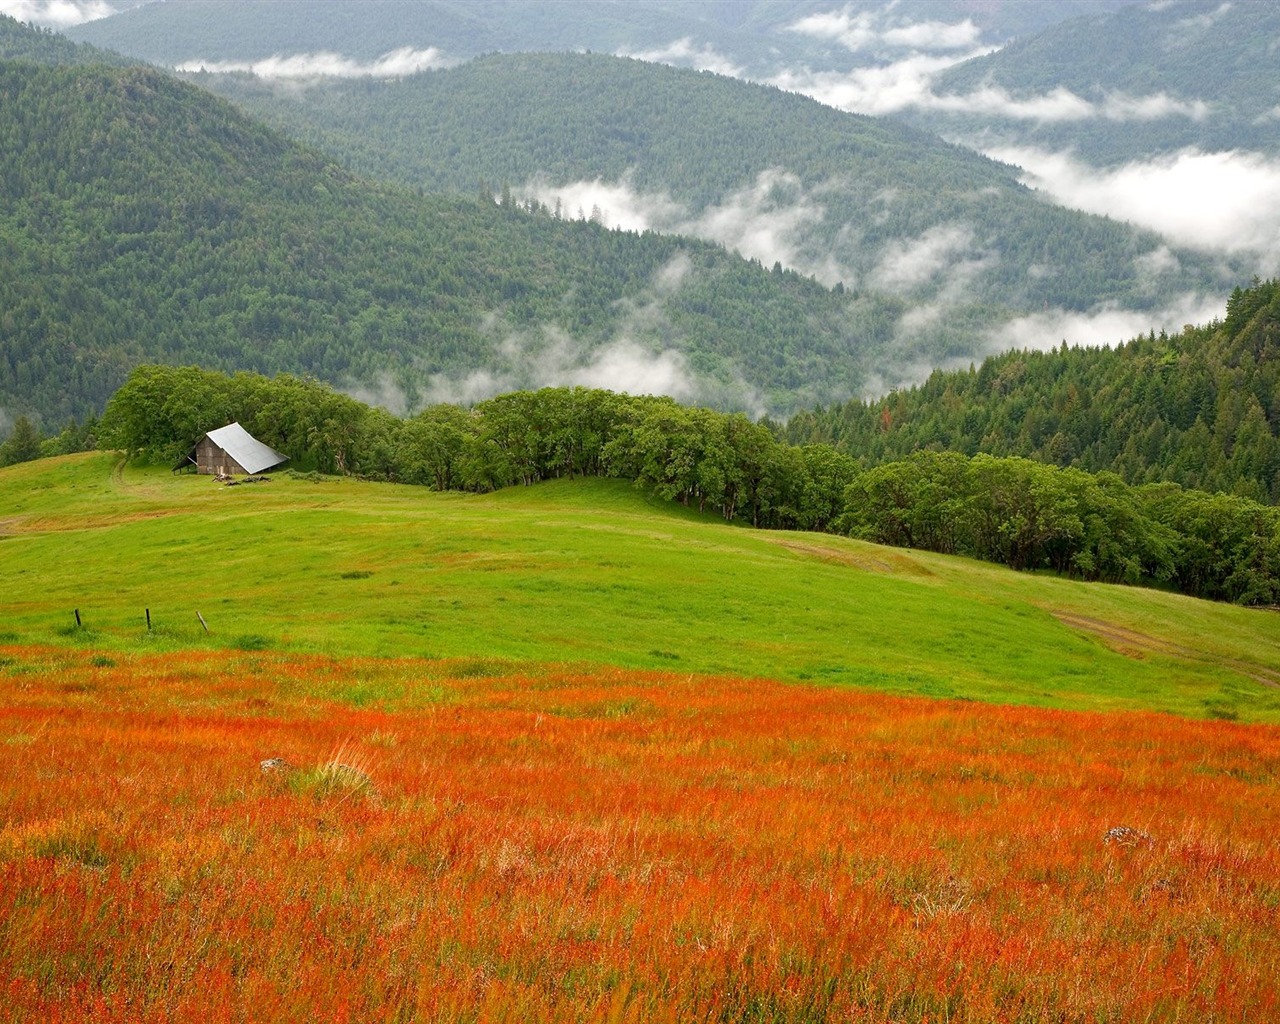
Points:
(589, 572)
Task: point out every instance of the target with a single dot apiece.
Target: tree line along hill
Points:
(1199, 408)
(1009, 510)
(893, 479)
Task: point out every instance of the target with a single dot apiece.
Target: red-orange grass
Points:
(615, 846)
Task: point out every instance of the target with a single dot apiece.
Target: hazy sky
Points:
(58, 13)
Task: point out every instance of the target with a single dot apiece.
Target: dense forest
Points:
(1200, 408)
(697, 136)
(143, 220)
(44, 46)
(1013, 511)
(901, 214)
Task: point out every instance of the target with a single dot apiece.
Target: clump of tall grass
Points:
(344, 776)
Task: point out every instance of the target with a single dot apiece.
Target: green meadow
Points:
(588, 572)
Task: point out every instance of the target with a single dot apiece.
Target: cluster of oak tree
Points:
(1014, 511)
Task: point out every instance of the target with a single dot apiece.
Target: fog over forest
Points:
(883, 59)
(903, 60)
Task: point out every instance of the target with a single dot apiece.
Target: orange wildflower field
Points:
(458, 841)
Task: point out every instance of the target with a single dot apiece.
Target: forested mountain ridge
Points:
(506, 118)
(944, 248)
(43, 46)
(1215, 61)
(759, 35)
(145, 220)
(846, 197)
(1200, 408)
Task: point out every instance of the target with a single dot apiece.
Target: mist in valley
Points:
(881, 60)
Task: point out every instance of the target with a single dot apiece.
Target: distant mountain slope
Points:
(950, 242)
(698, 136)
(19, 41)
(142, 219)
(1199, 408)
(1215, 61)
(753, 35)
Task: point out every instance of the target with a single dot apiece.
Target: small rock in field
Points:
(275, 766)
(1123, 835)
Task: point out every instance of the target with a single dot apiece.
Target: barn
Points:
(230, 450)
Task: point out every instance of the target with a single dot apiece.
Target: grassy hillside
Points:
(590, 573)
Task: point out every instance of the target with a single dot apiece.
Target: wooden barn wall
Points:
(213, 460)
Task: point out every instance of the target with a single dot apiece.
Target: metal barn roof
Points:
(252, 455)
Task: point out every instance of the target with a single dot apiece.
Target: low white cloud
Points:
(1059, 105)
(1203, 22)
(1104, 325)
(626, 366)
(468, 388)
(1121, 107)
(934, 35)
(852, 31)
(1227, 202)
(685, 53)
(614, 204)
(1155, 264)
(767, 220)
(57, 13)
(383, 392)
(867, 30)
(641, 358)
(549, 357)
(875, 90)
(395, 64)
(908, 83)
(896, 373)
(670, 277)
(942, 263)
(906, 59)
(907, 264)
